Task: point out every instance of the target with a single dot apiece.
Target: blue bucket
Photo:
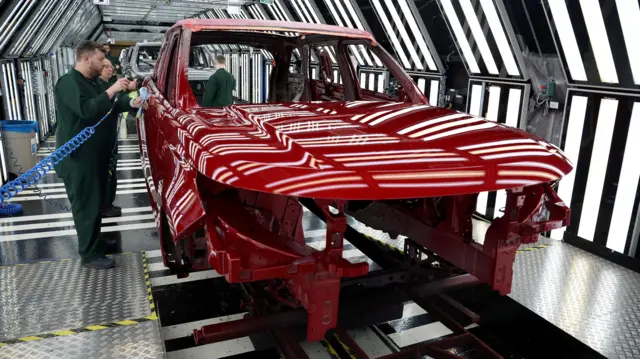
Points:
(19, 126)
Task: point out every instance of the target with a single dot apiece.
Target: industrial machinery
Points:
(226, 184)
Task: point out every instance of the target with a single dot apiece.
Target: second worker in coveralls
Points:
(81, 101)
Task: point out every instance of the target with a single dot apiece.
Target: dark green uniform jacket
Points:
(219, 91)
(80, 103)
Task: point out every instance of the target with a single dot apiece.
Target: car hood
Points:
(363, 150)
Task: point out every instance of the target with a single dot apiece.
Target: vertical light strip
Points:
(597, 168)
(460, 36)
(567, 39)
(475, 107)
(513, 111)
(478, 35)
(422, 44)
(434, 91)
(392, 34)
(372, 82)
(627, 186)
(599, 40)
(492, 115)
(363, 80)
(381, 83)
(422, 84)
(494, 103)
(629, 13)
(501, 39)
(403, 33)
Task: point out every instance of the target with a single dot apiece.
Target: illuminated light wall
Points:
(407, 34)
(597, 48)
(601, 59)
(485, 39)
(601, 139)
(502, 102)
(429, 85)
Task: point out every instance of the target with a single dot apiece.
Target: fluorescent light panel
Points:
(513, 111)
(627, 186)
(372, 82)
(597, 168)
(567, 39)
(599, 40)
(494, 103)
(501, 39)
(381, 83)
(460, 36)
(405, 36)
(422, 44)
(313, 12)
(392, 34)
(478, 35)
(475, 107)
(629, 13)
(434, 91)
(4, 164)
(572, 144)
(422, 85)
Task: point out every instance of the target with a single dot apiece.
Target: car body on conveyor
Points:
(226, 183)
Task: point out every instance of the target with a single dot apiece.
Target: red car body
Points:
(225, 182)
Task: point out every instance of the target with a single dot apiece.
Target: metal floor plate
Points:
(140, 341)
(58, 295)
(594, 300)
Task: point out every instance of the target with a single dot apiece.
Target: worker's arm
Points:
(79, 103)
(210, 92)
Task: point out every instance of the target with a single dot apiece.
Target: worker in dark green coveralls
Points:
(219, 91)
(115, 61)
(81, 101)
(107, 79)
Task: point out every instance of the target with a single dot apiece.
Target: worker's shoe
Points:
(111, 211)
(101, 263)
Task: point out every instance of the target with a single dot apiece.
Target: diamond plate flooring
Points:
(41, 297)
(140, 341)
(594, 300)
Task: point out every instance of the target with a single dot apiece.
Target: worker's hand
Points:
(135, 103)
(120, 85)
(133, 85)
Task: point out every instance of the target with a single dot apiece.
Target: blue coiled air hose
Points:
(31, 177)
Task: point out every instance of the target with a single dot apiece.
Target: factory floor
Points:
(52, 307)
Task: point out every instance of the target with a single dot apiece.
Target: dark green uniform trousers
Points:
(112, 181)
(84, 187)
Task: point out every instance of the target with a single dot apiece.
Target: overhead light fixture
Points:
(299, 11)
(403, 33)
(567, 39)
(312, 10)
(478, 35)
(599, 40)
(434, 92)
(501, 39)
(460, 36)
(597, 168)
(422, 44)
(494, 103)
(627, 186)
(392, 34)
(629, 13)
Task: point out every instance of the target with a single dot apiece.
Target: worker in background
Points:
(219, 91)
(107, 79)
(82, 101)
(115, 61)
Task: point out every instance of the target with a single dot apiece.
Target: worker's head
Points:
(107, 69)
(89, 56)
(220, 60)
(106, 48)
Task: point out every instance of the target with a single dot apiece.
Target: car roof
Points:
(271, 25)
